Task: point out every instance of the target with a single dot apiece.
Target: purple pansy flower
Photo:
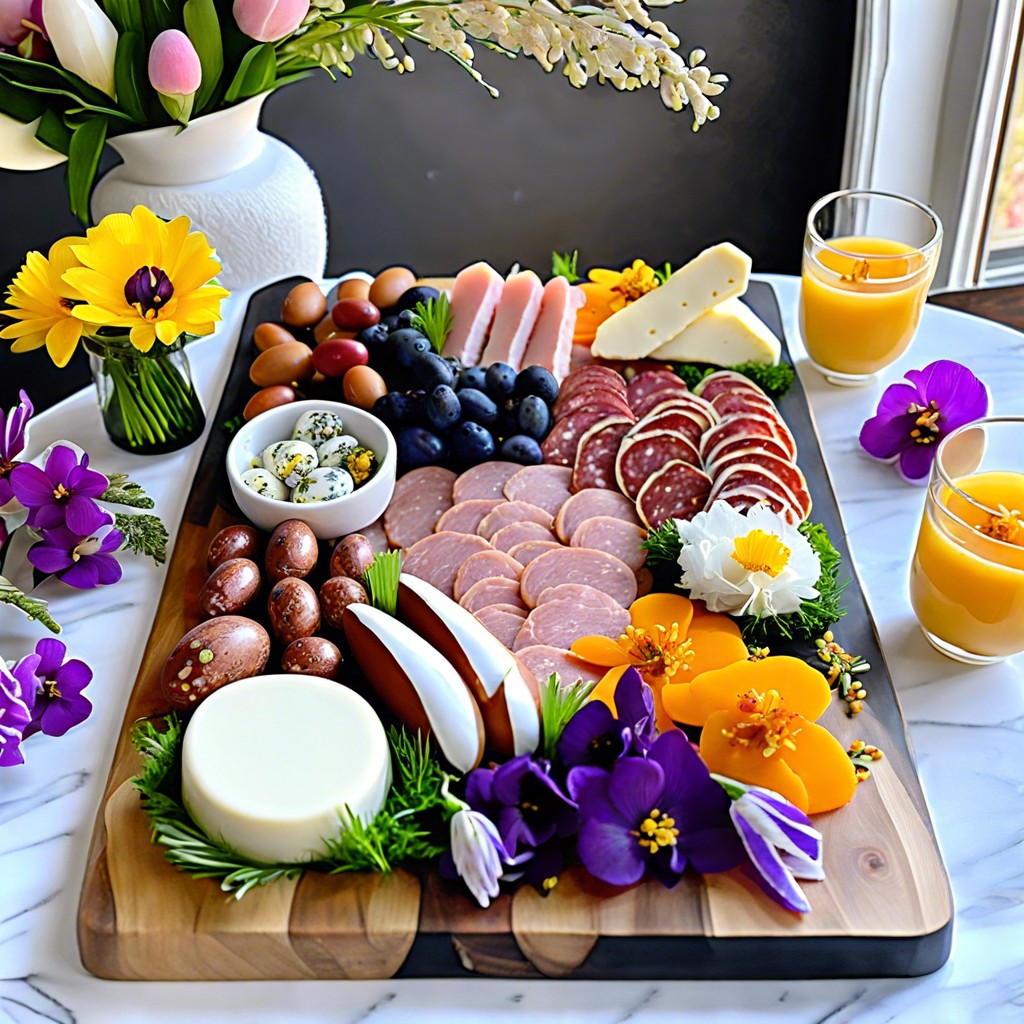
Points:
(59, 703)
(654, 815)
(82, 560)
(13, 426)
(62, 493)
(17, 695)
(913, 418)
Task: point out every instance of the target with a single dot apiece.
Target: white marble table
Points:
(967, 726)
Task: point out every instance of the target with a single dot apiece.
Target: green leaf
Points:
(203, 28)
(663, 544)
(563, 264)
(382, 581)
(157, 16)
(125, 14)
(131, 77)
(54, 132)
(256, 73)
(434, 318)
(83, 160)
(21, 104)
(557, 705)
(50, 78)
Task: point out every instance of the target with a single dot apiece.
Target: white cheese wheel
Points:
(270, 764)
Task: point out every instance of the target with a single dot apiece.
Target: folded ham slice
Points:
(514, 320)
(550, 344)
(475, 296)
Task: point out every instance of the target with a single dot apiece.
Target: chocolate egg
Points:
(291, 550)
(230, 587)
(267, 398)
(352, 556)
(304, 305)
(283, 364)
(336, 595)
(312, 656)
(390, 285)
(350, 288)
(241, 541)
(293, 610)
(362, 386)
(269, 334)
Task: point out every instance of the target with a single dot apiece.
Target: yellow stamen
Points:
(1007, 526)
(926, 425)
(656, 831)
(60, 492)
(549, 883)
(769, 727)
(761, 552)
(661, 651)
(51, 689)
(634, 281)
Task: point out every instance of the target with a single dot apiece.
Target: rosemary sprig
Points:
(557, 705)
(434, 318)
(143, 534)
(382, 581)
(663, 544)
(33, 607)
(122, 491)
(564, 264)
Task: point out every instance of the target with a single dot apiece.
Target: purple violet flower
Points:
(83, 560)
(62, 493)
(59, 703)
(13, 427)
(654, 815)
(17, 695)
(913, 418)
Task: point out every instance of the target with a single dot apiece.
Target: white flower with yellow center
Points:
(746, 564)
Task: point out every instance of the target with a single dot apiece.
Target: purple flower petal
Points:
(593, 736)
(113, 541)
(49, 557)
(634, 703)
(713, 849)
(51, 656)
(916, 462)
(31, 485)
(83, 574)
(636, 787)
(85, 481)
(611, 852)
(60, 462)
(774, 877)
(587, 783)
(80, 514)
(12, 428)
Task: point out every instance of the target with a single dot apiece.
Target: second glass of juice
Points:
(869, 259)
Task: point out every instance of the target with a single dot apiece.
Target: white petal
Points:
(84, 40)
(20, 150)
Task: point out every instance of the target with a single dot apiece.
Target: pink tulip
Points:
(174, 68)
(267, 21)
(12, 13)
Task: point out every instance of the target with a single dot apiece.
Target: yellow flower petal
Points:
(167, 331)
(62, 340)
(143, 336)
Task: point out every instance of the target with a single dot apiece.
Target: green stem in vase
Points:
(137, 430)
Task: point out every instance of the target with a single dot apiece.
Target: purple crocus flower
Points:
(654, 815)
(17, 696)
(59, 703)
(913, 418)
(13, 426)
(478, 854)
(60, 494)
(83, 560)
(781, 842)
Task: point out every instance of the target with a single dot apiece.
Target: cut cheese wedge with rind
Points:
(726, 335)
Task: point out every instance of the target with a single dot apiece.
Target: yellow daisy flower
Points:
(43, 304)
(148, 276)
(627, 285)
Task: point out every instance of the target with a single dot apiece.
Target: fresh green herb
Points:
(33, 607)
(774, 381)
(692, 374)
(143, 534)
(557, 705)
(663, 544)
(382, 581)
(563, 264)
(231, 425)
(434, 318)
(664, 273)
(122, 491)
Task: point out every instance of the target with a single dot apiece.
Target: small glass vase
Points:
(147, 399)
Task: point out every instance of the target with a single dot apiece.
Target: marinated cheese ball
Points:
(362, 464)
(323, 484)
(264, 482)
(336, 451)
(316, 426)
(290, 461)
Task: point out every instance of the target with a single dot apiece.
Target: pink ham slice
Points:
(559, 624)
(466, 516)
(513, 320)
(419, 500)
(544, 661)
(593, 568)
(550, 344)
(485, 565)
(502, 622)
(595, 455)
(490, 592)
(544, 486)
(375, 534)
(515, 534)
(475, 295)
(438, 558)
(528, 550)
(579, 593)
(592, 502)
(605, 533)
(641, 456)
(509, 512)
(679, 491)
(486, 481)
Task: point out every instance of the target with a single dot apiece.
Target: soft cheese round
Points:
(270, 764)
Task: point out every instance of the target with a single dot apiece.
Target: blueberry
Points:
(472, 443)
(535, 380)
(501, 379)
(442, 409)
(373, 336)
(417, 446)
(396, 409)
(390, 321)
(534, 417)
(418, 293)
(508, 417)
(456, 364)
(473, 377)
(430, 370)
(476, 406)
(406, 318)
(522, 449)
(406, 344)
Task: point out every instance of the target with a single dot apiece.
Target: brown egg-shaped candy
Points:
(355, 314)
(362, 386)
(390, 285)
(269, 334)
(352, 556)
(350, 288)
(293, 610)
(267, 398)
(282, 364)
(325, 330)
(230, 587)
(212, 655)
(312, 656)
(336, 594)
(240, 541)
(291, 551)
(304, 305)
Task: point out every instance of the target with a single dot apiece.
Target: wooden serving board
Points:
(885, 908)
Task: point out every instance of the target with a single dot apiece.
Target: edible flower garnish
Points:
(82, 559)
(912, 418)
(607, 292)
(1007, 526)
(17, 696)
(59, 702)
(478, 854)
(862, 755)
(62, 492)
(13, 438)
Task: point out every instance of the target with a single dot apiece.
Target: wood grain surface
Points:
(885, 908)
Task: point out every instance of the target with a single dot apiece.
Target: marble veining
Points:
(966, 724)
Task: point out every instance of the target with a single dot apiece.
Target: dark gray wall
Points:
(427, 169)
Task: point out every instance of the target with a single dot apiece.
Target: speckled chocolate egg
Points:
(312, 656)
(291, 550)
(352, 556)
(230, 587)
(293, 610)
(240, 541)
(336, 595)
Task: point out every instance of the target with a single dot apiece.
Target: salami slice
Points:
(747, 496)
(591, 375)
(545, 661)
(595, 456)
(485, 565)
(742, 400)
(419, 500)
(598, 397)
(651, 401)
(704, 411)
(592, 502)
(438, 558)
(786, 471)
(729, 445)
(467, 515)
(502, 622)
(497, 590)
(559, 624)
(724, 380)
(515, 534)
(579, 593)
(559, 447)
(743, 474)
(486, 481)
(594, 568)
(642, 455)
(650, 381)
(678, 491)
(745, 426)
(544, 486)
(605, 533)
(513, 512)
(528, 550)
(674, 416)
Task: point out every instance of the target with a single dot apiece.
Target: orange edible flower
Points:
(607, 292)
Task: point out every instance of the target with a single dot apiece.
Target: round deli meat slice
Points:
(513, 512)
(742, 400)
(606, 533)
(598, 397)
(502, 622)
(748, 425)
(486, 481)
(516, 534)
(559, 624)
(378, 539)
(592, 502)
(590, 376)
(544, 486)
(678, 491)
(747, 496)
(724, 380)
(642, 455)
(704, 411)
(580, 594)
(649, 402)
(788, 472)
(545, 661)
(650, 381)
(492, 592)
(419, 500)
(595, 456)
(559, 447)
(742, 474)
(467, 515)
(724, 448)
(594, 568)
(531, 549)
(485, 565)
(677, 417)
(438, 558)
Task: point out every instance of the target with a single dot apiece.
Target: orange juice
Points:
(860, 306)
(967, 586)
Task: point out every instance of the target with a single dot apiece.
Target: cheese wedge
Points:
(717, 274)
(728, 334)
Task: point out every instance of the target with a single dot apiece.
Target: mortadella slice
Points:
(475, 296)
(550, 344)
(513, 320)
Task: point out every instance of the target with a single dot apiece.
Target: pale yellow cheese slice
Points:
(728, 334)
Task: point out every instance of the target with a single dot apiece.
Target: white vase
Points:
(256, 200)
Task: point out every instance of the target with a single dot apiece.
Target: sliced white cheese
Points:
(728, 334)
(635, 331)
(270, 764)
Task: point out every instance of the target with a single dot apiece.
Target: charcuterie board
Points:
(885, 908)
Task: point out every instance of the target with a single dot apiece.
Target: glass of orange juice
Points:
(967, 575)
(868, 262)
